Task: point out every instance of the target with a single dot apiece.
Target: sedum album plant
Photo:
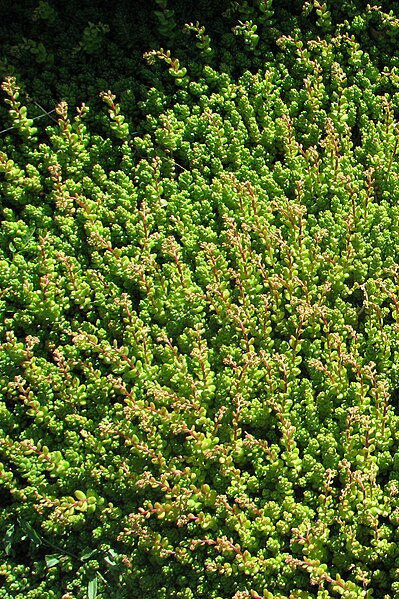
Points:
(199, 302)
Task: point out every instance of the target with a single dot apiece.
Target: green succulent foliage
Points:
(199, 297)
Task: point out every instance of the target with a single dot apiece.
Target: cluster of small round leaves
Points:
(200, 316)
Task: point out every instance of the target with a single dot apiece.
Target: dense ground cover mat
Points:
(199, 298)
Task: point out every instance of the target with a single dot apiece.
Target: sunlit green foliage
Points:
(199, 296)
